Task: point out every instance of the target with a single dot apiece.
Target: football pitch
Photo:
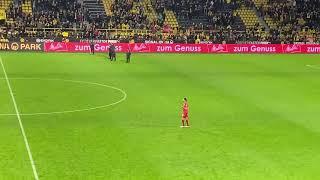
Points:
(252, 116)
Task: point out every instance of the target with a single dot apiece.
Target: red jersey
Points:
(185, 108)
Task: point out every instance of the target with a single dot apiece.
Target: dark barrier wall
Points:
(18, 46)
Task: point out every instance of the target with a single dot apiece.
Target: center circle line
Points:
(71, 111)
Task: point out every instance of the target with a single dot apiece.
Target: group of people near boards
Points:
(112, 52)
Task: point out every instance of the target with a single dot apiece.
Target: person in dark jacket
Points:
(110, 52)
(92, 47)
(128, 55)
(113, 52)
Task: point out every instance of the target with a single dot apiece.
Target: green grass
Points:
(253, 117)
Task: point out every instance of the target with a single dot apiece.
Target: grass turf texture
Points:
(252, 117)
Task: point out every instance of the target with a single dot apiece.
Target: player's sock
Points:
(182, 123)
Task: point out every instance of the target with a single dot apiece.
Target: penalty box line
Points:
(34, 169)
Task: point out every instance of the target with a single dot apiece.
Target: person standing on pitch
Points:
(185, 113)
(92, 47)
(113, 54)
(128, 55)
(110, 53)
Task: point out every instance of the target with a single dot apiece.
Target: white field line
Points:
(76, 110)
(36, 177)
(313, 66)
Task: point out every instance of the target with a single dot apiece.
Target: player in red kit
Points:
(185, 112)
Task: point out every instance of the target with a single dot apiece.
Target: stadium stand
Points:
(26, 7)
(292, 20)
(171, 19)
(46, 13)
(212, 14)
(248, 16)
(149, 10)
(192, 21)
(262, 5)
(95, 8)
(4, 4)
(128, 14)
(107, 4)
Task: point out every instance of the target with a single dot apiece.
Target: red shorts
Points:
(185, 115)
